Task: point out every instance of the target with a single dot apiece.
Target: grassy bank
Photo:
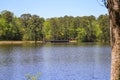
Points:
(19, 42)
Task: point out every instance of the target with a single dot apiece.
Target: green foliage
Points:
(33, 77)
(103, 22)
(7, 15)
(47, 30)
(33, 27)
(81, 34)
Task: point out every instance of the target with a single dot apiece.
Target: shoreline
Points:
(41, 42)
(19, 42)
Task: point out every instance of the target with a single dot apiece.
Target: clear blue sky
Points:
(53, 8)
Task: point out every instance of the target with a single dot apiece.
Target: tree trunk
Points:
(115, 59)
(114, 13)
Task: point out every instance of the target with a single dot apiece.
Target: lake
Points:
(64, 61)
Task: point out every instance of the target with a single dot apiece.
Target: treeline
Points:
(32, 27)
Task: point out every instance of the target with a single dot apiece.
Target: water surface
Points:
(55, 61)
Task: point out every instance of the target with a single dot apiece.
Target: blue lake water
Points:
(55, 61)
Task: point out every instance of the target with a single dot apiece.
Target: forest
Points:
(29, 27)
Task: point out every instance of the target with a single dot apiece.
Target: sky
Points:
(54, 8)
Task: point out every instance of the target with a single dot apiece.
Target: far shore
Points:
(31, 42)
(19, 42)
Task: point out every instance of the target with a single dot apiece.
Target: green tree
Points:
(3, 28)
(7, 15)
(17, 31)
(7, 18)
(81, 34)
(55, 28)
(87, 24)
(36, 26)
(103, 21)
(96, 31)
(32, 27)
(47, 30)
